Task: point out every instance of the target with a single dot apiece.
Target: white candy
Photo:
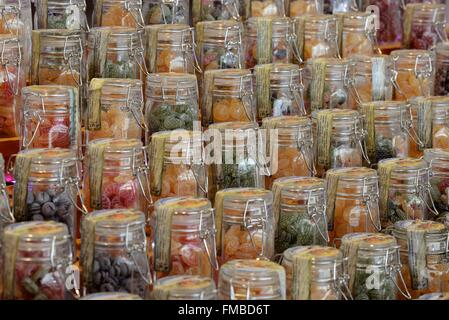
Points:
(281, 106)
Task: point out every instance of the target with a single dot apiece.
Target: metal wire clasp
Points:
(138, 250)
(254, 223)
(395, 269)
(142, 170)
(423, 190)
(370, 198)
(207, 235)
(135, 8)
(67, 182)
(316, 213)
(137, 53)
(73, 57)
(17, 63)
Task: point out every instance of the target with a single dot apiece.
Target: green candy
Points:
(30, 286)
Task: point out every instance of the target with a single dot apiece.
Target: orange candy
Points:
(229, 110)
(118, 16)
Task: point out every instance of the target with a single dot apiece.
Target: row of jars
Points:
(115, 257)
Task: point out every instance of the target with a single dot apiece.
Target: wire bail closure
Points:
(255, 224)
(17, 63)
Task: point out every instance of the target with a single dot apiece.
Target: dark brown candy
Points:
(30, 286)
(48, 210)
(37, 217)
(42, 197)
(34, 208)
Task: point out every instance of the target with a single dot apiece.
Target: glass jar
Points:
(115, 109)
(279, 90)
(51, 117)
(57, 56)
(442, 69)
(57, 14)
(423, 249)
(389, 33)
(404, 190)
(111, 296)
(118, 13)
(47, 186)
(247, 279)
(300, 8)
(166, 11)
(114, 252)
(431, 123)
(184, 237)
(228, 96)
(209, 10)
(438, 161)
(116, 175)
(185, 287)
(327, 83)
(341, 137)
(236, 165)
(171, 48)
(315, 273)
(371, 79)
(424, 26)
(269, 40)
(176, 167)
(36, 258)
(300, 212)
(337, 6)
(352, 201)
(373, 265)
(317, 36)
(268, 8)
(291, 154)
(6, 215)
(357, 33)
(12, 79)
(388, 127)
(16, 19)
(172, 101)
(245, 224)
(115, 52)
(413, 73)
(220, 44)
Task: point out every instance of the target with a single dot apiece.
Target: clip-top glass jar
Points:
(171, 48)
(114, 109)
(57, 14)
(116, 175)
(228, 96)
(115, 52)
(424, 25)
(6, 215)
(114, 252)
(267, 8)
(341, 137)
(389, 13)
(315, 273)
(269, 40)
(47, 186)
(166, 11)
(236, 165)
(118, 13)
(279, 90)
(442, 69)
(413, 73)
(184, 237)
(373, 265)
(176, 167)
(352, 201)
(172, 101)
(423, 250)
(317, 36)
(16, 19)
(371, 79)
(220, 44)
(327, 83)
(357, 33)
(209, 10)
(404, 190)
(247, 279)
(300, 212)
(431, 122)
(438, 160)
(57, 56)
(185, 287)
(388, 129)
(51, 117)
(111, 296)
(12, 79)
(245, 224)
(36, 256)
(298, 8)
(291, 154)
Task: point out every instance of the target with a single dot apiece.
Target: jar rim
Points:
(117, 218)
(432, 228)
(355, 174)
(186, 285)
(51, 155)
(299, 184)
(318, 254)
(111, 296)
(370, 241)
(44, 231)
